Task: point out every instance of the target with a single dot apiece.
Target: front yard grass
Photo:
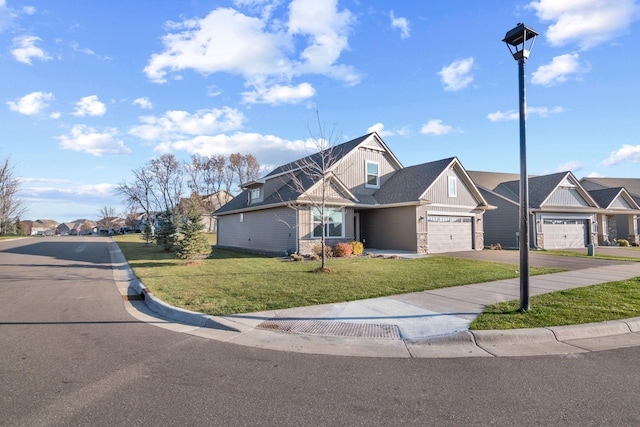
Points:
(596, 303)
(230, 282)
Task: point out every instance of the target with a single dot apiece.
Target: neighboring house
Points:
(428, 208)
(622, 198)
(43, 227)
(562, 213)
(209, 204)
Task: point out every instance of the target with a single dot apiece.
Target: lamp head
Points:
(516, 40)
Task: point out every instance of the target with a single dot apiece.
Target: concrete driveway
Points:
(542, 259)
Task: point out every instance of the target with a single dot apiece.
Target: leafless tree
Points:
(315, 171)
(108, 218)
(140, 194)
(168, 176)
(11, 206)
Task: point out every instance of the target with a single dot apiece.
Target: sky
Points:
(91, 90)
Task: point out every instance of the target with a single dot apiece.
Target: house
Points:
(621, 196)
(209, 204)
(369, 197)
(562, 213)
(43, 227)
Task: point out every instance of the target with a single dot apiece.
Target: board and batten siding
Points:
(389, 228)
(439, 191)
(270, 230)
(564, 196)
(353, 172)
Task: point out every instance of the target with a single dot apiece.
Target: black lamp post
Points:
(517, 40)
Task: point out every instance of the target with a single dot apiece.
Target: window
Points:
(373, 177)
(254, 195)
(333, 222)
(453, 186)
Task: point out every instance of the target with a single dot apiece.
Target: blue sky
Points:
(92, 90)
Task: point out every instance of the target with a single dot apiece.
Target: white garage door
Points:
(564, 233)
(449, 233)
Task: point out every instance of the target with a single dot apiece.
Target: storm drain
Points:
(334, 329)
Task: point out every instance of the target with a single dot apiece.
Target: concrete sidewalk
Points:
(422, 324)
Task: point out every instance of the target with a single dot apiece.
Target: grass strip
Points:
(596, 303)
(232, 282)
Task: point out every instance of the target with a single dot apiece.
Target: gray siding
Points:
(439, 191)
(271, 230)
(352, 172)
(564, 196)
(501, 224)
(391, 228)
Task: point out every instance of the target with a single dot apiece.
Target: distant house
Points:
(563, 213)
(621, 198)
(428, 208)
(43, 227)
(209, 204)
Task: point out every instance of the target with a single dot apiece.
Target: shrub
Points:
(328, 252)
(342, 250)
(623, 242)
(296, 257)
(357, 248)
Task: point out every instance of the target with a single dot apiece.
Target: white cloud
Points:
(457, 75)
(278, 94)
(264, 51)
(29, 10)
(270, 149)
(86, 139)
(627, 153)
(176, 124)
(435, 127)
(559, 70)
(143, 103)
(543, 112)
(380, 130)
(90, 106)
(401, 24)
(25, 49)
(573, 166)
(31, 104)
(585, 22)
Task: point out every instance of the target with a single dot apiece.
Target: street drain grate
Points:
(132, 297)
(334, 329)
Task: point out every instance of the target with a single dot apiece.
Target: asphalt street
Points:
(71, 354)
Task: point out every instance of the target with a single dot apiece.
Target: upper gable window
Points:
(453, 186)
(254, 195)
(372, 175)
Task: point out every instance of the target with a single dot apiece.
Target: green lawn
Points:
(233, 282)
(597, 303)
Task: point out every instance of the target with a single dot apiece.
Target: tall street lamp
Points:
(520, 42)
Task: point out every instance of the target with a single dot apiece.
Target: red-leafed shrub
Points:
(342, 250)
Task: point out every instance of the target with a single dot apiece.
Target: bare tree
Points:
(11, 206)
(108, 218)
(243, 168)
(168, 175)
(140, 194)
(316, 171)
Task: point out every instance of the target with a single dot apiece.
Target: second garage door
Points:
(564, 233)
(449, 233)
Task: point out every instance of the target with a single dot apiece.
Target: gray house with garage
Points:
(621, 198)
(369, 196)
(562, 213)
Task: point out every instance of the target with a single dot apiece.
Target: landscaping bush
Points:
(357, 248)
(623, 242)
(342, 250)
(328, 252)
(297, 257)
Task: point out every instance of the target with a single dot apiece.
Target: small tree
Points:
(166, 234)
(194, 244)
(147, 231)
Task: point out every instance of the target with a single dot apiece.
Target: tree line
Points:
(159, 185)
(11, 206)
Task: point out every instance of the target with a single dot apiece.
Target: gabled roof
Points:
(607, 196)
(410, 184)
(632, 185)
(540, 187)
